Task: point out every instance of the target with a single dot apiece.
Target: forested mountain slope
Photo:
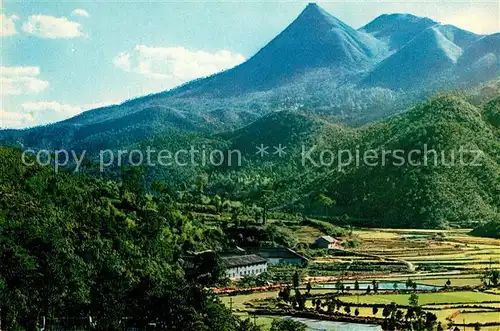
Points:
(451, 178)
(76, 246)
(442, 187)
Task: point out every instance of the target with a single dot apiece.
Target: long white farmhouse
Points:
(241, 266)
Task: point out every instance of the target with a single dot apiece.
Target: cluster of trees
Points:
(414, 317)
(297, 300)
(411, 284)
(75, 250)
(340, 287)
(489, 229)
(491, 277)
(287, 325)
(285, 294)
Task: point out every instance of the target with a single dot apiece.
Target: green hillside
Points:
(285, 175)
(436, 192)
(439, 188)
(442, 187)
(74, 245)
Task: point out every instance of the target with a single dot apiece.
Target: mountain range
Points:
(317, 65)
(322, 83)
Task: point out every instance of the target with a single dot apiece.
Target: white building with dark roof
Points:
(240, 266)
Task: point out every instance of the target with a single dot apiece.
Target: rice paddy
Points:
(428, 257)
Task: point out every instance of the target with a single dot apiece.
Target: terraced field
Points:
(426, 298)
(427, 257)
(472, 317)
(432, 250)
(455, 281)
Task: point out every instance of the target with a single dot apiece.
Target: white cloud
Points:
(177, 64)
(63, 109)
(7, 25)
(15, 120)
(45, 112)
(40, 113)
(80, 12)
(21, 80)
(122, 61)
(50, 27)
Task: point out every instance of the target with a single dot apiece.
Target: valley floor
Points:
(430, 258)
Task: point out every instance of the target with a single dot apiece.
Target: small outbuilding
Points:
(328, 242)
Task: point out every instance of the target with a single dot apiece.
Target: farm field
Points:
(490, 328)
(264, 321)
(471, 305)
(426, 298)
(238, 301)
(455, 281)
(432, 251)
(472, 317)
(427, 257)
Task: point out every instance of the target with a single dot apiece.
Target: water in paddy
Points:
(319, 325)
(382, 286)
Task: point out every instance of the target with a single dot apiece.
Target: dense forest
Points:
(437, 188)
(443, 190)
(73, 246)
(113, 246)
(489, 228)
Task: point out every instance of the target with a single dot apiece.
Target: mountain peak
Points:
(312, 5)
(325, 40)
(396, 19)
(314, 15)
(417, 62)
(313, 8)
(397, 29)
(315, 40)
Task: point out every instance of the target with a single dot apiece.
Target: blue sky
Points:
(61, 58)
